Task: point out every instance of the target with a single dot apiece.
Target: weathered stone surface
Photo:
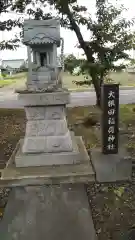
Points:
(42, 39)
(52, 213)
(49, 159)
(79, 172)
(112, 167)
(55, 112)
(47, 133)
(34, 144)
(59, 143)
(48, 144)
(43, 130)
(41, 32)
(44, 99)
(35, 113)
(45, 113)
(46, 128)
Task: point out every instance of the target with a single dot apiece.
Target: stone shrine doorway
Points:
(43, 59)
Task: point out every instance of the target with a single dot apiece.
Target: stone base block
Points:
(46, 128)
(44, 99)
(44, 159)
(45, 144)
(112, 167)
(48, 213)
(45, 113)
(81, 172)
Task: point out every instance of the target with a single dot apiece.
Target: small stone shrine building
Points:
(47, 140)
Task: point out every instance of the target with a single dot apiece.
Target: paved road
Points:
(8, 99)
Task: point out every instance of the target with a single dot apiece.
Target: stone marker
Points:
(110, 115)
(112, 167)
(111, 162)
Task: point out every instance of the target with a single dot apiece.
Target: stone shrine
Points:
(47, 141)
(42, 39)
(47, 133)
(46, 202)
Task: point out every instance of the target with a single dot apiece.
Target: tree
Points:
(110, 35)
(5, 8)
(71, 62)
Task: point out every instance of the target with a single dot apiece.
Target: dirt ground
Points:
(113, 209)
(113, 205)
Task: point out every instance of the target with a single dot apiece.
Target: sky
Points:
(70, 40)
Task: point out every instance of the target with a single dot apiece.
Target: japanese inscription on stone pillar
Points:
(110, 116)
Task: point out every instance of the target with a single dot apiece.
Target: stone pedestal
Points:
(47, 140)
(112, 167)
(49, 153)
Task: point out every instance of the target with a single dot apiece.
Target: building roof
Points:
(12, 63)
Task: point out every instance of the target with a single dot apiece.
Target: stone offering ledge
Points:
(28, 91)
(81, 172)
(44, 99)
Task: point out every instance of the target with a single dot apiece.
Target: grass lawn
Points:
(68, 82)
(16, 76)
(14, 79)
(123, 78)
(113, 205)
(6, 82)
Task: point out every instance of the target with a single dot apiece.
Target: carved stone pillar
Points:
(47, 140)
(29, 65)
(54, 55)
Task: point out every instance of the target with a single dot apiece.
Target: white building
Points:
(13, 64)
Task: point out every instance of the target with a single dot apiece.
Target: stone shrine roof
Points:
(41, 32)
